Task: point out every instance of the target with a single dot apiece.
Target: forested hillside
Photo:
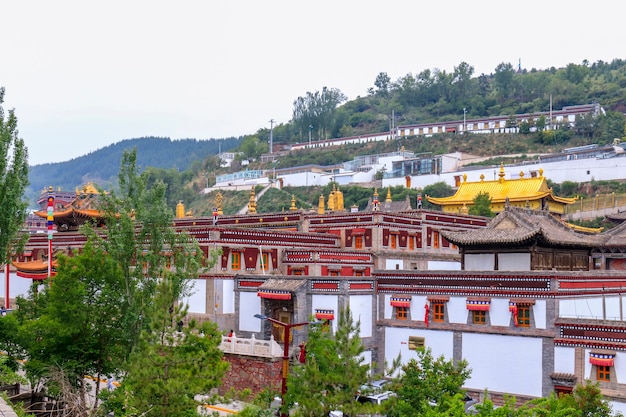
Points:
(102, 166)
(436, 95)
(426, 96)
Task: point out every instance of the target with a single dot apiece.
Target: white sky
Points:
(82, 75)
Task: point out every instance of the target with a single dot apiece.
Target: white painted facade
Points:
(325, 302)
(500, 363)
(581, 170)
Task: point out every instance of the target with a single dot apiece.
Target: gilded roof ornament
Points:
(320, 205)
(293, 203)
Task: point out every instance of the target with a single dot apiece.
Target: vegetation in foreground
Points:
(103, 316)
(424, 385)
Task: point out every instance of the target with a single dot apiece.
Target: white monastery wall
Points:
(618, 407)
(457, 310)
(304, 179)
(504, 363)
(580, 170)
(326, 302)
(615, 307)
(584, 308)
(564, 360)
(392, 264)
(444, 266)
(539, 313)
(514, 261)
(479, 262)
(249, 305)
(197, 300)
(499, 314)
(228, 294)
(397, 343)
(416, 308)
(361, 307)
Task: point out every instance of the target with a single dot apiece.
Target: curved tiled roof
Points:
(516, 226)
(501, 190)
(616, 237)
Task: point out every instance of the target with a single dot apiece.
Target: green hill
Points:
(102, 165)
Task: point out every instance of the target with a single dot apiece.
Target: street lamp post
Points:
(464, 112)
(286, 342)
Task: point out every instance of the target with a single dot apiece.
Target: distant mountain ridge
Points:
(102, 166)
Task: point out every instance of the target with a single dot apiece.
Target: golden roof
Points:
(515, 190)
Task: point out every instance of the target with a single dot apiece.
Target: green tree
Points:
(251, 148)
(104, 312)
(503, 81)
(318, 110)
(333, 372)
(77, 332)
(382, 84)
(13, 182)
(437, 190)
(586, 400)
(481, 205)
(428, 382)
(172, 363)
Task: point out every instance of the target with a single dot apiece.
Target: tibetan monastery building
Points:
(532, 193)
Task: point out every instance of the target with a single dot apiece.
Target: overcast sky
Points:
(82, 75)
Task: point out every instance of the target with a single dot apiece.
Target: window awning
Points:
(602, 359)
(478, 305)
(325, 314)
(438, 298)
(401, 301)
(279, 289)
(358, 231)
(275, 295)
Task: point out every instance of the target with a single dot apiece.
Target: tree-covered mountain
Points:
(432, 95)
(102, 166)
(426, 96)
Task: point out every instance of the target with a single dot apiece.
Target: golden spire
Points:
(320, 205)
(339, 206)
(293, 203)
(388, 199)
(331, 199)
(219, 198)
(252, 202)
(180, 210)
(501, 173)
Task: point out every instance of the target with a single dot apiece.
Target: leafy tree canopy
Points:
(481, 205)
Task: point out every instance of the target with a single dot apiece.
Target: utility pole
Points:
(464, 123)
(271, 135)
(310, 129)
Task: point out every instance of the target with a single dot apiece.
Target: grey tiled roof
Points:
(515, 226)
(277, 284)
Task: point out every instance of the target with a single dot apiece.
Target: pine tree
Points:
(333, 372)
